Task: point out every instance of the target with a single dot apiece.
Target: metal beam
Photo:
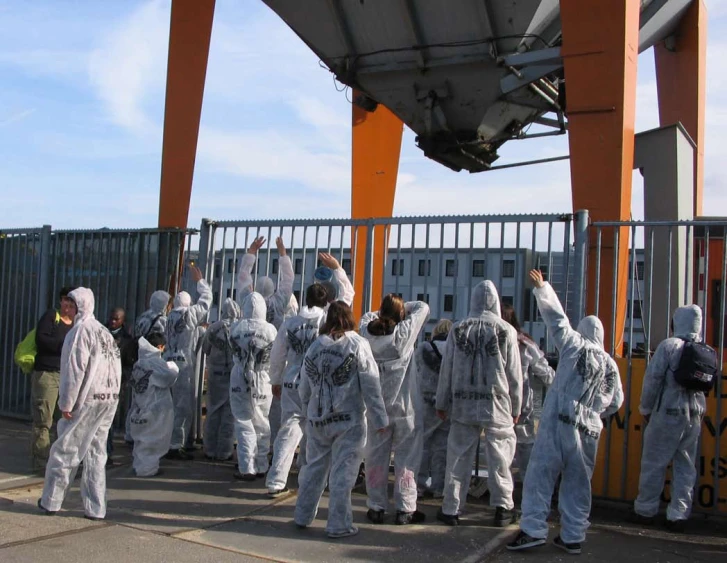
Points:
(527, 75)
(536, 57)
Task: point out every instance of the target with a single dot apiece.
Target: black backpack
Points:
(698, 367)
(133, 347)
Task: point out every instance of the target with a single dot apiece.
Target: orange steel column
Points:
(600, 50)
(681, 74)
(189, 43)
(375, 166)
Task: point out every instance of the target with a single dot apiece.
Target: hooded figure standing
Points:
(182, 330)
(219, 428)
(280, 303)
(294, 338)
(433, 466)
(392, 333)
(88, 396)
(674, 416)
(250, 392)
(480, 388)
(586, 388)
(152, 419)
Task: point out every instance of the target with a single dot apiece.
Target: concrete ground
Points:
(197, 511)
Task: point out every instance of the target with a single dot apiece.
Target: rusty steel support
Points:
(375, 165)
(681, 69)
(189, 43)
(600, 51)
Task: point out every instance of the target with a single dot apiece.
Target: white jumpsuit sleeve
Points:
(346, 288)
(285, 285)
(514, 372)
(279, 356)
(244, 276)
(165, 374)
(654, 378)
(75, 357)
(368, 376)
(417, 313)
(366, 319)
(201, 309)
(555, 318)
(540, 368)
(444, 386)
(618, 392)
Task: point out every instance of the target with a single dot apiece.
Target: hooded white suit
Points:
(393, 354)
(672, 434)
(182, 324)
(480, 385)
(152, 418)
(250, 391)
(586, 388)
(219, 428)
(89, 390)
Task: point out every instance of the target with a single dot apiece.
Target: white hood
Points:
(84, 300)
(484, 298)
(253, 307)
(146, 350)
(230, 310)
(265, 287)
(591, 328)
(159, 301)
(183, 299)
(688, 323)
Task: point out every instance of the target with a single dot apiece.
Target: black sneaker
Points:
(637, 518)
(572, 548)
(244, 476)
(180, 455)
(376, 516)
(278, 492)
(94, 518)
(504, 517)
(47, 512)
(523, 541)
(676, 526)
(261, 475)
(404, 518)
(448, 519)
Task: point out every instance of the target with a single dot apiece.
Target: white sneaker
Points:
(352, 531)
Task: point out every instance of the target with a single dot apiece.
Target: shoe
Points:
(448, 519)
(261, 475)
(278, 492)
(572, 548)
(676, 526)
(301, 526)
(524, 541)
(94, 518)
(244, 476)
(228, 458)
(179, 455)
(47, 512)
(637, 518)
(504, 517)
(352, 531)
(404, 518)
(376, 516)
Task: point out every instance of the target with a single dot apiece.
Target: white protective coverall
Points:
(672, 434)
(152, 419)
(339, 382)
(428, 358)
(250, 392)
(182, 324)
(586, 388)
(393, 354)
(480, 385)
(154, 319)
(294, 338)
(219, 428)
(537, 377)
(89, 389)
(280, 303)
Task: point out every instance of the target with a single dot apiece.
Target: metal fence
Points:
(122, 268)
(670, 264)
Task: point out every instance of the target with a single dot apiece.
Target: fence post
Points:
(45, 272)
(580, 231)
(368, 267)
(204, 264)
(204, 247)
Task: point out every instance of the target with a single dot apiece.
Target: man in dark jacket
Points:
(50, 332)
(122, 336)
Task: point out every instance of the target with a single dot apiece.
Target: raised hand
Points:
(256, 245)
(329, 261)
(536, 277)
(196, 273)
(281, 246)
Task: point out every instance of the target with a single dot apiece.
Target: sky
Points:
(82, 106)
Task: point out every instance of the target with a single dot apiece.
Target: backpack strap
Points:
(436, 350)
(151, 326)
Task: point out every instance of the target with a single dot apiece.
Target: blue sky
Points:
(81, 115)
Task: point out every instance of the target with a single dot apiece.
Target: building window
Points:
(275, 266)
(508, 268)
(423, 297)
(425, 267)
(216, 297)
(218, 267)
(478, 268)
(231, 266)
(346, 265)
(637, 309)
(450, 268)
(544, 270)
(231, 293)
(397, 267)
(298, 265)
(639, 271)
(448, 303)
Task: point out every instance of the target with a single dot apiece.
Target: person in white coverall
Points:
(480, 388)
(294, 338)
(674, 415)
(183, 322)
(152, 419)
(219, 428)
(428, 357)
(586, 388)
(280, 303)
(537, 377)
(250, 392)
(339, 391)
(153, 320)
(392, 333)
(88, 395)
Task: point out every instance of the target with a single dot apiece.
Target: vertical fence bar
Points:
(687, 272)
(428, 272)
(502, 256)
(368, 268)
(616, 237)
(517, 301)
(441, 269)
(566, 258)
(44, 271)
(531, 300)
(650, 289)
(629, 355)
(470, 259)
(720, 376)
(704, 279)
(669, 277)
(400, 270)
(580, 228)
(597, 289)
(455, 288)
(411, 267)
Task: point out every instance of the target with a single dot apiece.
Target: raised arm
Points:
(539, 366)
(347, 291)
(244, 275)
(417, 313)
(368, 376)
(201, 309)
(366, 319)
(552, 312)
(287, 275)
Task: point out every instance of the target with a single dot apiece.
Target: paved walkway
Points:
(195, 511)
